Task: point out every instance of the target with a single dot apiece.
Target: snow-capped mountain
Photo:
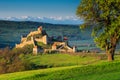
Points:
(54, 20)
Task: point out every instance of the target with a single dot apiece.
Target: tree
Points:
(10, 61)
(104, 18)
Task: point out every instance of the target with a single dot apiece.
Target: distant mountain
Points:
(53, 20)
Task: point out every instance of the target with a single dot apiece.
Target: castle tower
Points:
(74, 49)
(32, 39)
(35, 50)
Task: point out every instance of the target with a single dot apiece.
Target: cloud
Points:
(52, 19)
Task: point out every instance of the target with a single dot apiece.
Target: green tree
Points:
(104, 18)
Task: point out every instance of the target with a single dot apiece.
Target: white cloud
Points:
(51, 19)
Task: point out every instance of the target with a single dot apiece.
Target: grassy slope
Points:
(106, 71)
(100, 70)
(58, 60)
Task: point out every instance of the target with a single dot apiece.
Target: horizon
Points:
(48, 11)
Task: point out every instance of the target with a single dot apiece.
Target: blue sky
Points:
(42, 8)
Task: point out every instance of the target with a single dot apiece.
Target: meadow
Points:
(69, 67)
(60, 60)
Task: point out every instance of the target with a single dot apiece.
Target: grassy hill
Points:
(92, 70)
(58, 60)
(99, 70)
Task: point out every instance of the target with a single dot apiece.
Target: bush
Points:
(10, 62)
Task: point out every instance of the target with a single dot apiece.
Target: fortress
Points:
(40, 36)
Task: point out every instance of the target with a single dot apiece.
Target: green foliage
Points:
(44, 46)
(10, 61)
(104, 17)
(14, 61)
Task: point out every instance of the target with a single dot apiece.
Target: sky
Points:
(42, 8)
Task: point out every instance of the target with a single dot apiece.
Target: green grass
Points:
(75, 68)
(104, 71)
(57, 60)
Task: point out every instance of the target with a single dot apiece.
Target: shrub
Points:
(10, 62)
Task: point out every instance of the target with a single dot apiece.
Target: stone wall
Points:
(23, 44)
(33, 33)
(43, 39)
(23, 39)
(63, 44)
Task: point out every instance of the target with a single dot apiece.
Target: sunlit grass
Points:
(101, 71)
(57, 60)
(76, 67)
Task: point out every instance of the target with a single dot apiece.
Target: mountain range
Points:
(53, 20)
